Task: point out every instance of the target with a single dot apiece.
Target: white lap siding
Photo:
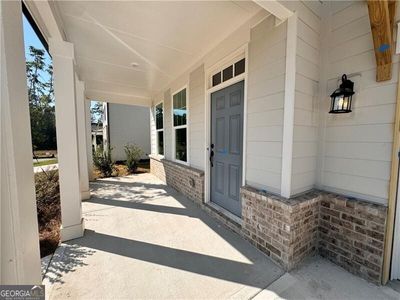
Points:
(197, 116)
(266, 82)
(356, 152)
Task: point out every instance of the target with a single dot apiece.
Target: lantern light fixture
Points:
(341, 97)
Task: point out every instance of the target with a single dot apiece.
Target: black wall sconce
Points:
(341, 98)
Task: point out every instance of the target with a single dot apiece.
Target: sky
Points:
(31, 39)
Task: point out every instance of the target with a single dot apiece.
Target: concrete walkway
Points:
(145, 240)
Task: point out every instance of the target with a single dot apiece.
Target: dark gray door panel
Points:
(227, 139)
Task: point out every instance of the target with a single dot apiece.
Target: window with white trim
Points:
(179, 113)
(159, 116)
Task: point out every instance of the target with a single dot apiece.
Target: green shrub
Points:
(133, 155)
(103, 162)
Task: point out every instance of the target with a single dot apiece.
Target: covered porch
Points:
(304, 182)
(144, 240)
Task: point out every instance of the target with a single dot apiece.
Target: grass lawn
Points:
(45, 162)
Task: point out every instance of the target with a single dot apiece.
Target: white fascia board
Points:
(275, 8)
(45, 14)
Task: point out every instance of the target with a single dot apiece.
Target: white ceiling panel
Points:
(163, 37)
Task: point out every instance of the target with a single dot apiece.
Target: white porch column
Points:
(89, 141)
(82, 146)
(19, 243)
(67, 139)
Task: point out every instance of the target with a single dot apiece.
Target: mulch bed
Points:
(48, 211)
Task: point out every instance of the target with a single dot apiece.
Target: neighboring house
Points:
(97, 135)
(239, 99)
(126, 124)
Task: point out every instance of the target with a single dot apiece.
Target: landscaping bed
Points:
(48, 211)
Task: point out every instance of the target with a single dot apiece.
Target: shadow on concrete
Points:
(216, 267)
(66, 259)
(257, 270)
(142, 206)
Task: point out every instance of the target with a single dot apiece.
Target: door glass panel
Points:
(227, 73)
(216, 79)
(180, 144)
(240, 67)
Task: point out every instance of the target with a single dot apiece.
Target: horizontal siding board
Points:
(380, 133)
(307, 68)
(272, 164)
(307, 52)
(265, 118)
(265, 134)
(267, 149)
(308, 35)
(358, 167)
(304, 149)
(381, 114)
(364, 151)
(361, 185)
(356, 28)
(265, 103)
(353, 12)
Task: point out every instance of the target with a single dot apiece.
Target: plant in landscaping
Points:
(48, 210)
(133, 155)
(103, 162)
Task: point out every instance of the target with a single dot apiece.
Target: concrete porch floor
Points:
(145, 240)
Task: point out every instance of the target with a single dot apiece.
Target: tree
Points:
(41, 100)
(96, 112)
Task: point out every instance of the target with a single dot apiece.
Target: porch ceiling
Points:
(163, 38)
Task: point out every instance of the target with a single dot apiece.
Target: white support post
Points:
(67, 139)
(88, 122)
(288, 115)
(81, 122)
(20, 259)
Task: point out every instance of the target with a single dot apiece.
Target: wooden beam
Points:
(392, 12)
(382, 36)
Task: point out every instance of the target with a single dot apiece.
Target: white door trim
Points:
(209, 91)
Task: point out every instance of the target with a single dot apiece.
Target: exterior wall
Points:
(304, 164)
(197, 116)
(266, 59)
(349, 232)
(355, 149)
(285, 230)
(128, 124)
(188, 181)
(352, 235)
(266, 83)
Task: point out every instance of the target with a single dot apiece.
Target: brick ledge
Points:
(193, 171)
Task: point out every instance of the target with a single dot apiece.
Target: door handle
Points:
(212, 155)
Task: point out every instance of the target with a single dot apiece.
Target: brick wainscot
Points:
(347, 231)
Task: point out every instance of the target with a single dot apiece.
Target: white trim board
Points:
(288, 114)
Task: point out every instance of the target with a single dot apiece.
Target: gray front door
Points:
(227, 146)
